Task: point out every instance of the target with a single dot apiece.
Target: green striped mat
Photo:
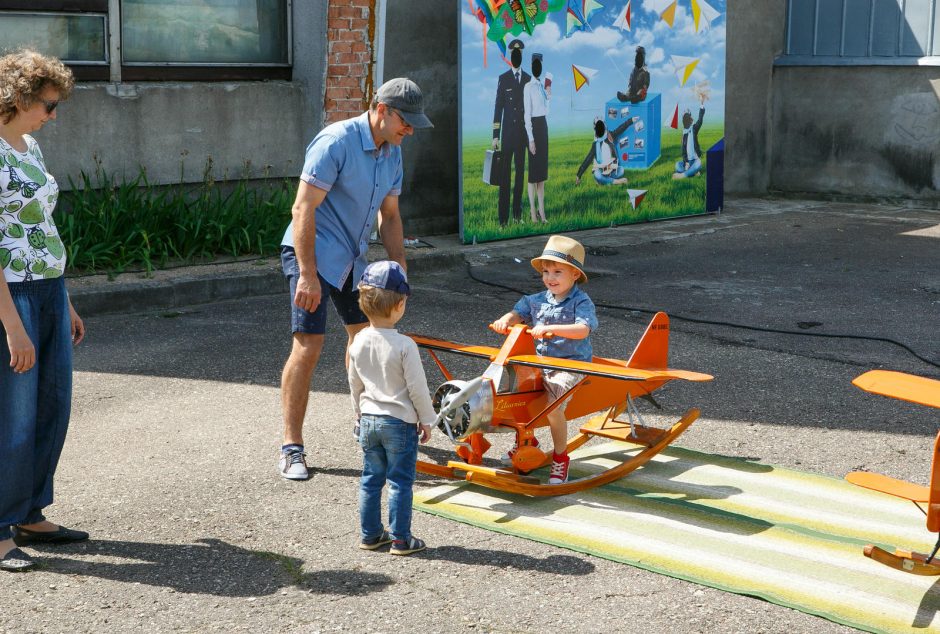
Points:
(790, 537)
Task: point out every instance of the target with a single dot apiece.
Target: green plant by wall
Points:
(111, 226)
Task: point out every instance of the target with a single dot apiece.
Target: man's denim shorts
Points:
(345, 301)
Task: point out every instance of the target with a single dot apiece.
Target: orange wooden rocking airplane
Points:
(509, 397)
(915, 389)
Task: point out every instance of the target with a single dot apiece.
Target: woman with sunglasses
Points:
(38, 325)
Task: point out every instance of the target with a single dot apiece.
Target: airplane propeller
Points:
(451, 404)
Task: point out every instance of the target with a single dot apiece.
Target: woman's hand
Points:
(22, 351)
(532, 148)
(78, 326)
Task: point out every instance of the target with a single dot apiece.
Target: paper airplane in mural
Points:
(701, 9)
(684, 67)
(582, 75)
(665, 9)
(578, 13)
(674, 122)
(636, 196)
(625, 19)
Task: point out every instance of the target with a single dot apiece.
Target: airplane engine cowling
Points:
(476, 415)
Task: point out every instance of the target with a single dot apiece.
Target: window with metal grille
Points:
(862, 32)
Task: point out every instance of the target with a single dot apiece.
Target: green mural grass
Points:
(569, 207)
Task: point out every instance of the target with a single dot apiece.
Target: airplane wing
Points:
(610, 369)
(891, 486)
(481, 352)
(906, 387)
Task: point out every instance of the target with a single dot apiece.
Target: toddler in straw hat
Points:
(561, 320)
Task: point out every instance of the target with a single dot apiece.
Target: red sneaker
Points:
(559, 470)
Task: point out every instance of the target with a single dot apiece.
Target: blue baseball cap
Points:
(388, 275)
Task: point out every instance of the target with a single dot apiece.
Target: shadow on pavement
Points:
(555, 564)
(210, 566)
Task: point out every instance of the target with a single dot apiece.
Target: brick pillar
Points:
(351, 33)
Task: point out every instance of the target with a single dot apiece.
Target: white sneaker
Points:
(293, 465)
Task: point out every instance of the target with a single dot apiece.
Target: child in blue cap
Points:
(392, 402)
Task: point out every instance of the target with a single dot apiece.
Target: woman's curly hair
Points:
(24, 75)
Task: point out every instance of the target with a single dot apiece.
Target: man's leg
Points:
(295, 384)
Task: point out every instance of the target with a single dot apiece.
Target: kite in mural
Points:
(684, 67)
(578, 13)
(582, 76)
(701, 9)
(506, 17)
(484, 14)
(624, 20)
(636, 197)
(639, 82)
(665, 9)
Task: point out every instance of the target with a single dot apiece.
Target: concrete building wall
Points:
(755, 36)
(870, 131)
(861, 131)
(422, 45)
(175, 129)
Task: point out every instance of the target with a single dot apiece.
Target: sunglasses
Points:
(50, 105)
(401, 118)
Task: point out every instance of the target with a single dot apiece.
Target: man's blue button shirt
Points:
(343, 160)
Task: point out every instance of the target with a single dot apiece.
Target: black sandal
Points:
(62, 535)
(16, 561)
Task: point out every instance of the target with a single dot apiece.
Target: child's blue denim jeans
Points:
(390, 451)
(34, 405)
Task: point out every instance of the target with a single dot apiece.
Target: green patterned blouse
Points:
(30, 247)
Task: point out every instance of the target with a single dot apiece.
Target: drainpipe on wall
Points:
(114, 49)
(378, 44)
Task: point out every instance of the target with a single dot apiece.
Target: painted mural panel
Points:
(588, 113)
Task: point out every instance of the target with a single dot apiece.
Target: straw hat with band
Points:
(565, 250)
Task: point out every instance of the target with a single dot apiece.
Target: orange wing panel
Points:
(606, 368)
(891, 486)
(906, 387)
(484, 352)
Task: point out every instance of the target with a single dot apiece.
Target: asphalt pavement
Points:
(170, 462)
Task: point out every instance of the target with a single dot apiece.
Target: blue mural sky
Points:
(606, 48)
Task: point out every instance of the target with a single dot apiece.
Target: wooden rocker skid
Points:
(510, 482)
(904, 560)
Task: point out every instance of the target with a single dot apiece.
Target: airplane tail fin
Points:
(652, 351)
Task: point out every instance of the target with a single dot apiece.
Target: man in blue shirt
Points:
(352, 171)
